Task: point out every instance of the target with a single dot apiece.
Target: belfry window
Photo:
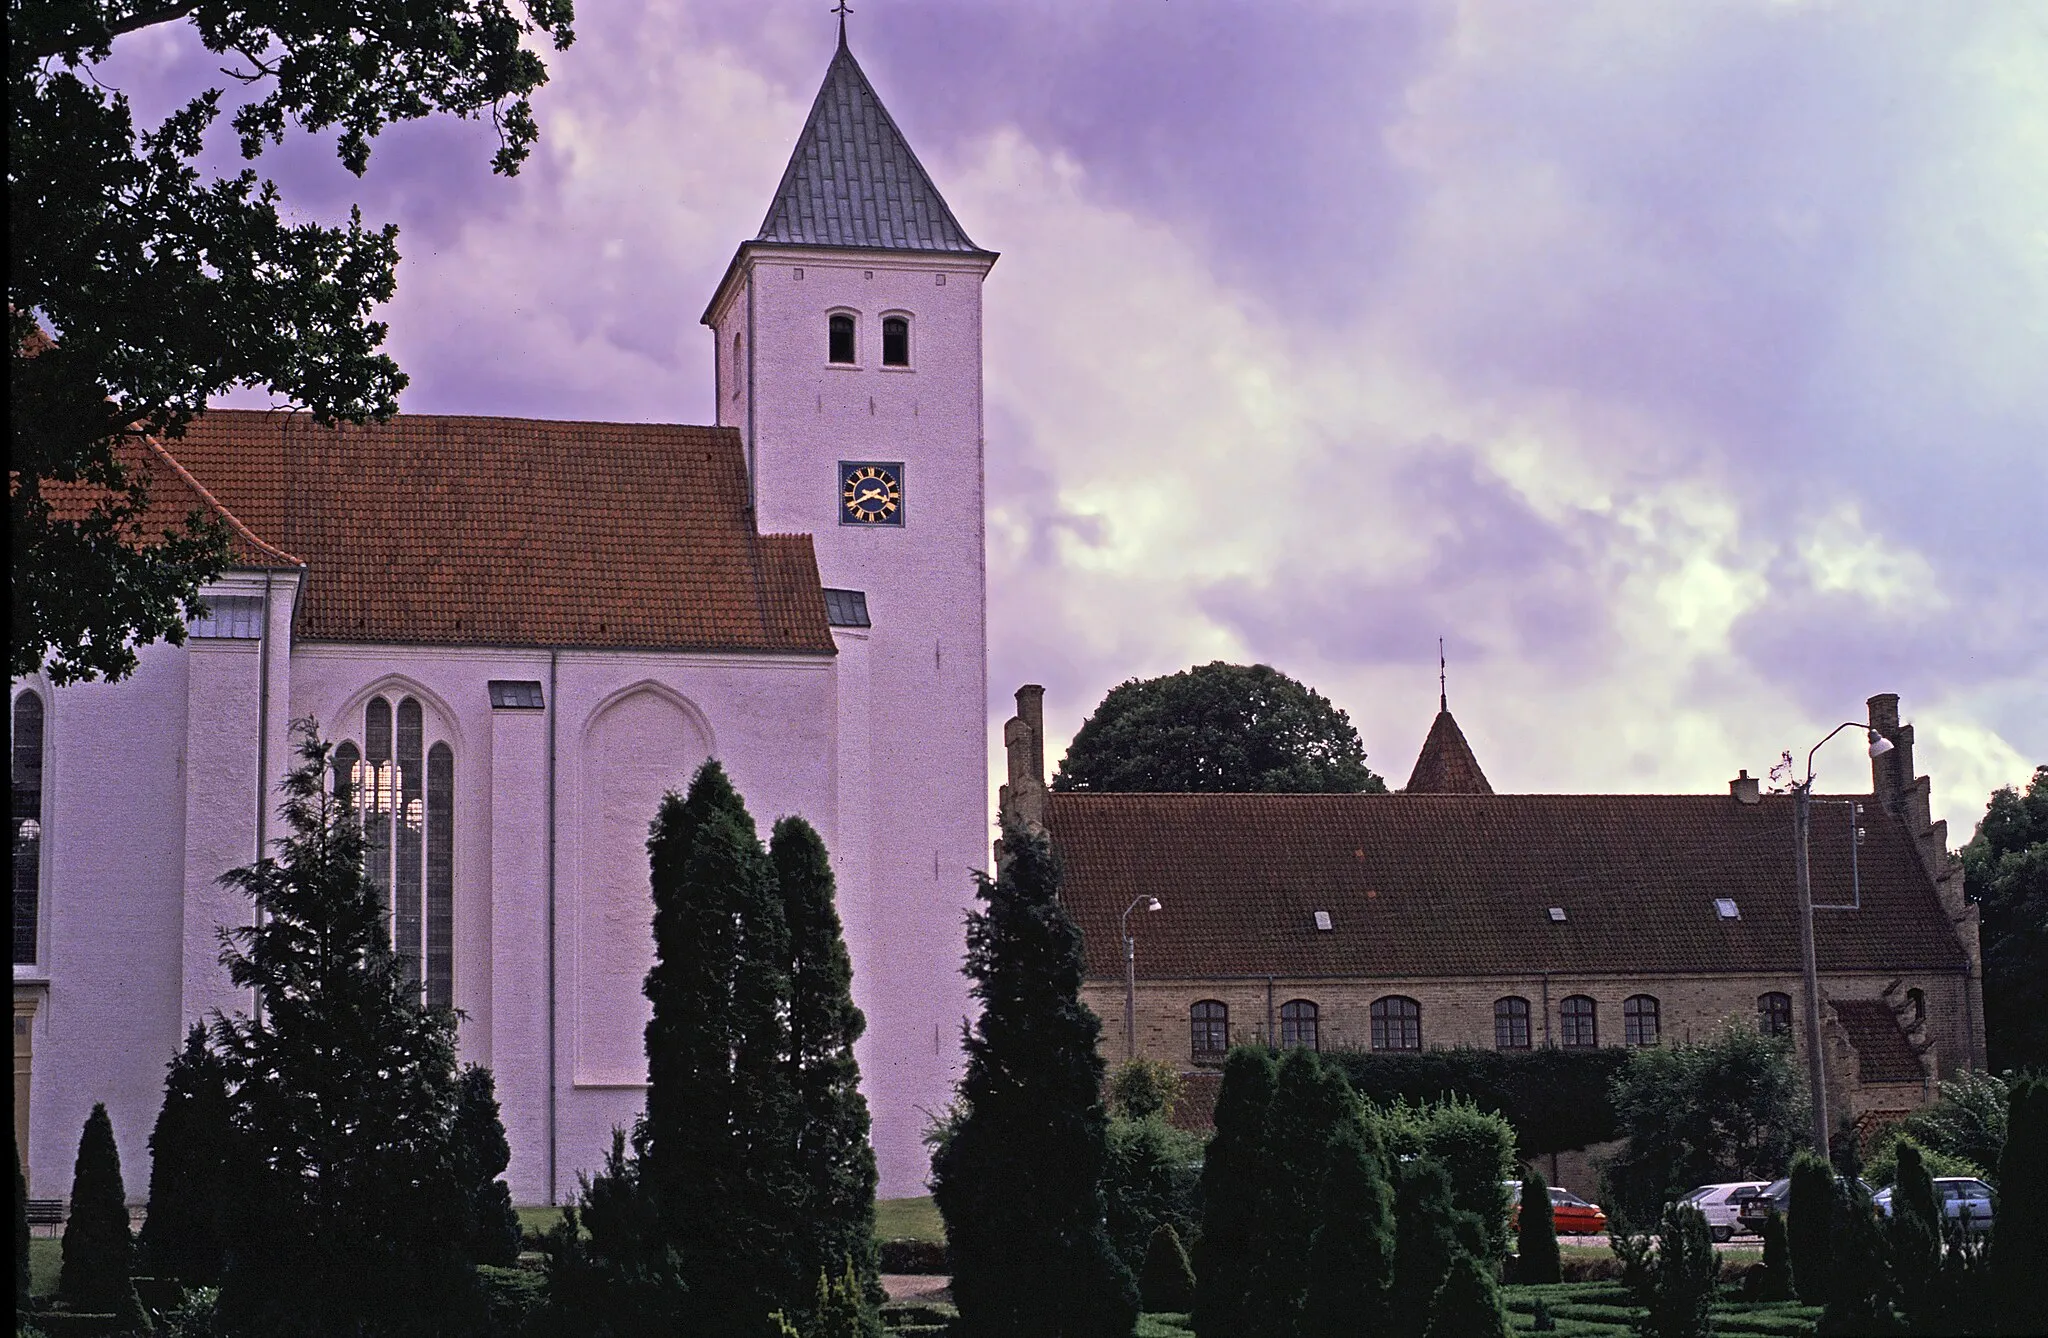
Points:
(895, 341)
(839, 332)
(404, 794)
(28, 823)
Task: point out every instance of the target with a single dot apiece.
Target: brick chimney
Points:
(1744, 788)
(1891, 775)
(1022, 800)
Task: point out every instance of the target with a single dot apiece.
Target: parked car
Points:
(1750, 1216)
(1720, 1203)
(1963, 1200)
(1573, 1215)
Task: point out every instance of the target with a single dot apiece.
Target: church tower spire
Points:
(1446, 764)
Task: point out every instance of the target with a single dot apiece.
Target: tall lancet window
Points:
(404, 793)
(28, 823)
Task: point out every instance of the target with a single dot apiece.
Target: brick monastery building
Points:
(1447, 915)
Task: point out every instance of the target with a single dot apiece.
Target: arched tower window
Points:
(1298, 1023)
(28, 823)
(404, 793)
(895, 341)
(1581, 1022)
(839, 331)
(1639, 1025)
(1511, 1023)
(1774, 1013)
(1396, 1023)
(1209, 1028)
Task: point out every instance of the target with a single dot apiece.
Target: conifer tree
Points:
(185, 1234)
(2019, 1240)
(1311, 1105)
(482, 1153)
(835, 1162)
(1467, 1305)
(1167, 1282)
(1777, 1283)
(1536, 1232)
(348, 1214)
(99, 1251)
(1913, 1233)
(1351, 1257)
(1019, 1182)
(1232, 1173)
(1430, 1233)
(1808, 1227)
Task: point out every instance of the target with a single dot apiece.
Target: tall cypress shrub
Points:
(1232, 1174)
(1536, 1253)
(1167, 1281)
(835, 1162)
(1311, 1105)
(185, 1234)
(1430, 1233)
(99, 1251)
(1351, 1256)
(1808, 1227)
(1777, 1278)
(2019, 1239)
(482, 1153)
(1913, 1233)
(347, 1213)
(1467, 1305)
(1019, 1181)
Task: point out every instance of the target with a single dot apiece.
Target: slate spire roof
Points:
(1446, 764)
(853, 180)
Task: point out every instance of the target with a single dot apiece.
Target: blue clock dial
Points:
(871, 493)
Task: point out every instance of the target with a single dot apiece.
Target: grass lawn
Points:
(908, 1219)
(540, 1220)
(1602, 1310)
(45, 1258)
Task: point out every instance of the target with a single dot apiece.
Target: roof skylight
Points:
(1726, 908)
(1557, 915)
(1323, 923)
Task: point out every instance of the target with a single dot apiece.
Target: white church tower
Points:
(848, 353)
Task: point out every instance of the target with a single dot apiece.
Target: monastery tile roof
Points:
(511, 531)
(853, 179)
(175, 497)
(1433, 885)
(1446, 764)
(1883, 1053)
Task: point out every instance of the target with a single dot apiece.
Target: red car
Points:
(1573, 1215)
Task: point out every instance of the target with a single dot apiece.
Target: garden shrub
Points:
(1777, 1278)
(1467, 1305)
(511, 1295)
(1536, 1257)
(1967, 1120)
(1475, 1149)
(2019, 1241)
(99, 1250)
(910, 1255)
(1167, 1281)
(1351, 1256)
(1882, 1171)
(1913, 1234)
(1233, 1172)
(1141, 1088)
(1429, 1234)
(1672, 1285)
(1151, 1177)
(1807, 1227)
(1312, 1107)
(1859, 1281)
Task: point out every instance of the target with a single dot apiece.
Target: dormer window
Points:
(895, 341)
(839, 343)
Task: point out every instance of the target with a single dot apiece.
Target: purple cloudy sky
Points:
(1684, 365)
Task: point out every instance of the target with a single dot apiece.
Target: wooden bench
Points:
(45, 1213)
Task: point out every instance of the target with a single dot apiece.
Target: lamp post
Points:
(1131, 975)
(1802, 821)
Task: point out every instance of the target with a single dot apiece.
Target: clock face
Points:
(870, 492)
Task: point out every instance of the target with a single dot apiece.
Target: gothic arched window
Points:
(1511, 1023)
(28, 823)
(1581, 1019)
(1396, 1023)
(404, 794)
(839, 331)
(1209, 1028)
(1298, 1023)
(1639, 1019)
(895, 341)
(1774, 1013)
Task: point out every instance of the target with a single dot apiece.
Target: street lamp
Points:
(1802, 819)
(1131, 976)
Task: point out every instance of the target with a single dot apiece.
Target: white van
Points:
(1719, 1204)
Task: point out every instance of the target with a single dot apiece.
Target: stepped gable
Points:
(1424, 886)
(1446, 764)
(1883, 1053)
(444, 530)
(853, 180)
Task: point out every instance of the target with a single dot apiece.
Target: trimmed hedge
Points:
(1557, 1100)
(910, 1255)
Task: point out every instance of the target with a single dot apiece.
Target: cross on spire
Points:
(1443, 697)
(842, 10)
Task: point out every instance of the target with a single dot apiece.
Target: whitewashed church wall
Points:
(111, 921)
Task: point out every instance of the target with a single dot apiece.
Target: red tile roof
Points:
(174, 497)
(1446, 764)
(1883, 1054)
(1429, 885)
(511, 531)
